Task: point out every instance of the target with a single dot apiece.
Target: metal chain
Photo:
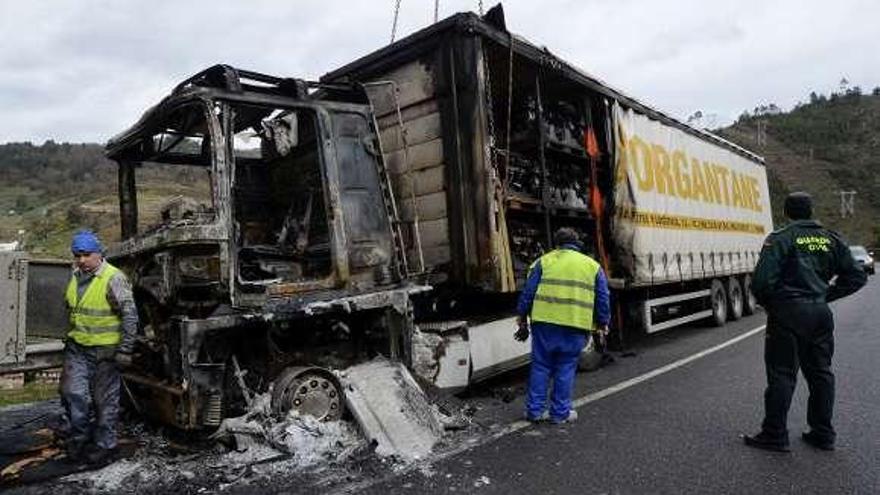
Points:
(436, 10)
(480, 4)
(394, 24)
(509, 112)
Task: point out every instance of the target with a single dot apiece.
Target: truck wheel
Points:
(734, 299)
(750, 304)
(307, 390)
(718, 301)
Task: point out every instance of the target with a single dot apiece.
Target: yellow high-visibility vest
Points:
(566, 292)
(92, 320)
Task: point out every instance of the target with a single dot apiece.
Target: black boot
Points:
(100, 457)
(811, 438)
(765, 442)
(75, 451)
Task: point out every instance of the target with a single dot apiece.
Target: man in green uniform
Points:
(793, 283)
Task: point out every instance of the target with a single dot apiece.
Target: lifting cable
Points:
(394, 23)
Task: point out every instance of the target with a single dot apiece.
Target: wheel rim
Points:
(308, 391)
(737, 302)
(720, 305)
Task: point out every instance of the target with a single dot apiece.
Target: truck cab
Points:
(279, 193)
(277, 246)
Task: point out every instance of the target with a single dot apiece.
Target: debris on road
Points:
(391, 409)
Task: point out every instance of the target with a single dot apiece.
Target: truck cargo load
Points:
(493, 143)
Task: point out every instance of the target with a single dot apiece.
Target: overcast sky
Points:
(84, 70)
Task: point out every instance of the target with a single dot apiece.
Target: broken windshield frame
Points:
(282, 232)
(168, 176)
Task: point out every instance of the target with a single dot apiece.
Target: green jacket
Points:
(798, 262)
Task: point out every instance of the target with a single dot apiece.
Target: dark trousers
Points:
(799, 335)
(90, 384)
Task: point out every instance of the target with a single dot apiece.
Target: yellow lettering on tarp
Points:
(699, 183)
(622, 155)
(662, 174)
(736, 191)
(681, 222)
(680, 172)
(673, 173)
(723, 173)
(756, 196)
(712, 184)
(643, 168)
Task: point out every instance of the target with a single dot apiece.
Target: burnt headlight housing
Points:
(199, 268)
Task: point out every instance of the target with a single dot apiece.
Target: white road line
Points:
(601, 394)
(579, 402)
(663, 369)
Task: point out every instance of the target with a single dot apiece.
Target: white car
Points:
(864, 258)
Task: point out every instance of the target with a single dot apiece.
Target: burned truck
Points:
(278, 261)
(394, 206)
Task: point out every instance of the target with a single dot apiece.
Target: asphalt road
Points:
(678, 432)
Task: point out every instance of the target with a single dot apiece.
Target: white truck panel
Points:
(685, 207)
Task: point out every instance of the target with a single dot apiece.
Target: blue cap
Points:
(85, 241)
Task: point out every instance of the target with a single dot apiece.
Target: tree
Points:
(814, 98)
(876, 91)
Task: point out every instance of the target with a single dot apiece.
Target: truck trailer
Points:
(393, 207)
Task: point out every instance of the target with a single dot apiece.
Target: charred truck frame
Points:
(283, 244)
(395, 206)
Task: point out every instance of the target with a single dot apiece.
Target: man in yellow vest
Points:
(103, 324)
(566, 298)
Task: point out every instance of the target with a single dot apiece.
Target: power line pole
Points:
(847, 203)
(761, 135)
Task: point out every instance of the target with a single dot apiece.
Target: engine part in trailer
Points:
(390, 408)
(307, 391)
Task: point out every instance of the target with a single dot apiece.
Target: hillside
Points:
(51, 190)
(823, 147)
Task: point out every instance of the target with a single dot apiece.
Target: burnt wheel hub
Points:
(308, 391)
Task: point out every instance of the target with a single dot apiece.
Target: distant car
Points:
(864, 258)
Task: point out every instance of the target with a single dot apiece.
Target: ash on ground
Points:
(254, 449)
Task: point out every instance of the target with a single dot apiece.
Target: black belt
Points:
(805, 300)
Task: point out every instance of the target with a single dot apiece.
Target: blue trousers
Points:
(90, 384)
(555, 352)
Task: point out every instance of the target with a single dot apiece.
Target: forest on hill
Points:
(825, 145)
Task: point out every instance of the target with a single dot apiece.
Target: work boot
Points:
(765, 442)
(817, 442)
(540, 419)
(100, 457)
(571, 418)
(75, 451)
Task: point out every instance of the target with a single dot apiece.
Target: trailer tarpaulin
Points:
(685, 208)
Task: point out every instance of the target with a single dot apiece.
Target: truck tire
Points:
(735, 301)
(718, 303)
(308, 390)
(750, 304)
